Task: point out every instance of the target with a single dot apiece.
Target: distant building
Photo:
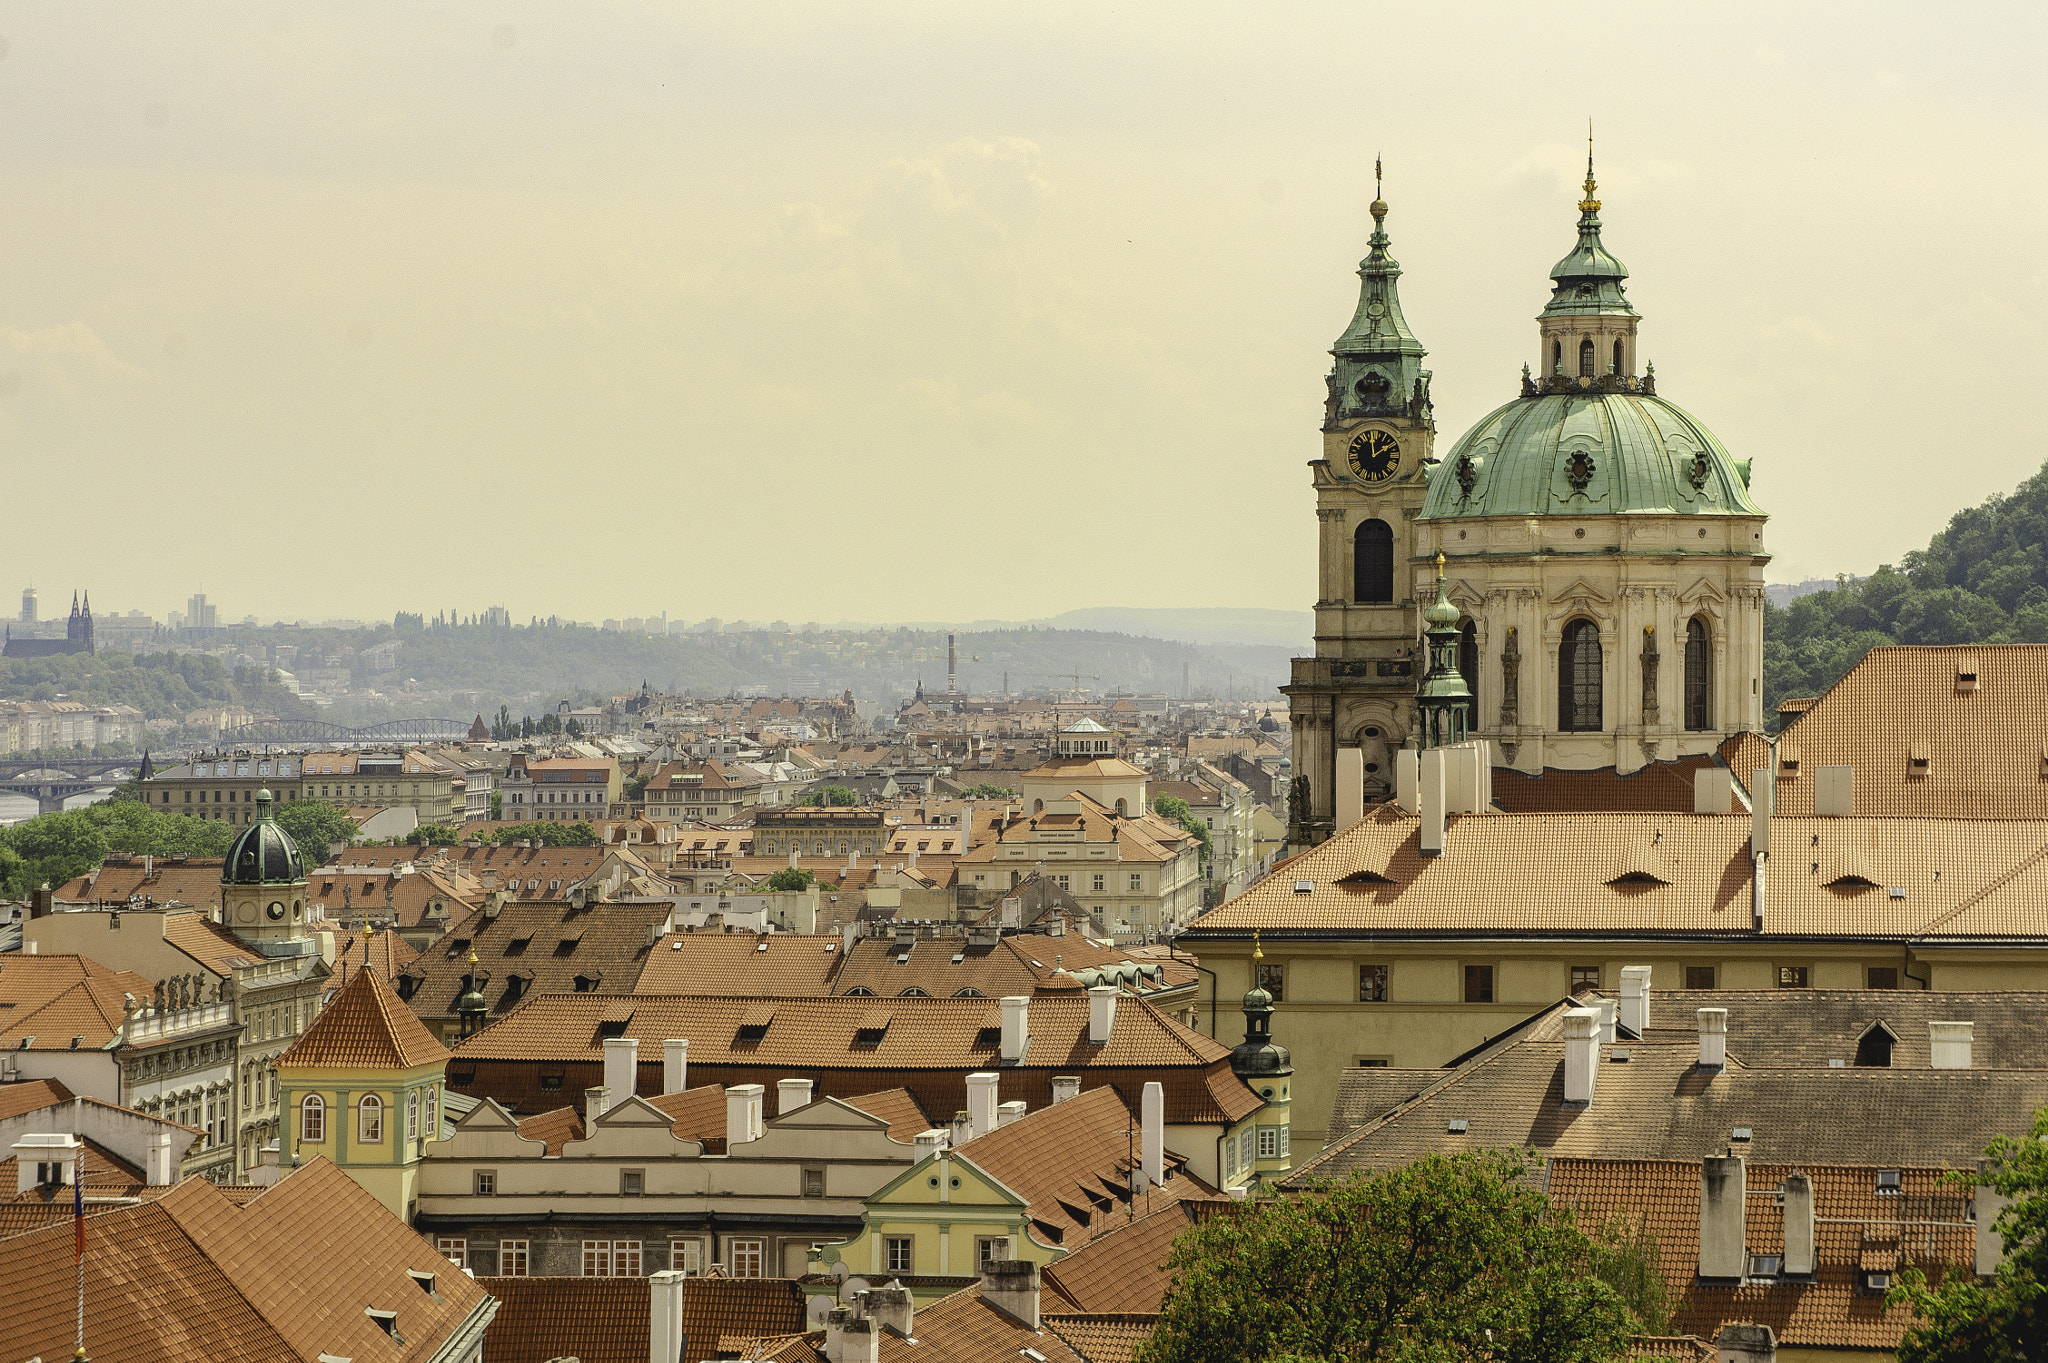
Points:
(77, 632)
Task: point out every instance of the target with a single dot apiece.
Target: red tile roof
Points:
(1124, 1270)
(48, 1001)
(366, 1027)
(605, 1320)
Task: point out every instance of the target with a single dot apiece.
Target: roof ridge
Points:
(1996, 883)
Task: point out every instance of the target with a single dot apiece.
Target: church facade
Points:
(77, 634)
(1600, 545)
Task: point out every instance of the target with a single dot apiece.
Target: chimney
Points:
(929, 1143)
(665, 1337)
(1581, 1054)
(1152, 1133)
(1762, 789)
(1713, 1038)
(596, 1102)
(742, 1114)
(1834, 792)
(1101, 1012)
(33, 1151)
(1713, 790)
(1746, 1344)
(621, 1067)
(1407, 779)
(1724, 1253)
(981, 1104)
(1800, 1261)
(1608, 1009)
(1016, 1028)
(675, 1065)
(791, 1094)
(963, 1128)
(1432, 836)
(1065, 1086)
(162, 1166)
(889, 1306)
(1350, 804)
(1010, 1111)
(1949, 1044)
(849, 1338)
(1011, 1286)
(1990, 1244)
(1635, 1000)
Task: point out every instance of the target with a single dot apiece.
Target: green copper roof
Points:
(1378, 369)
(1588, 280)
(1598, 454)
(263, 854)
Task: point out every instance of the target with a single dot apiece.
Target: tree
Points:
(988, 791)
(547, 834)
(636, 785)
(575, 729)
(2005, 1320)
(315, 826)
(434, 835)
(1174, 808)
(792, 878)
(830, 795)
(497, 806)
(1451, 1258)
(549, 723)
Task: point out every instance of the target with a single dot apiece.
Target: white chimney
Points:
(849, 1338)
(981, 1103)
(161, 1167)
(1432, 836)
(791, 1094)
(1065, 1086)
(596, 1102)
(621, 1067)
(890, 1306)
(1152, 1133)
(1350, 804)
(1461, 779)
(675, 1065)
(1581, 1054)
(1713, 1038)
(1762, 789)
(742, 1114)
(1011, 1286)
(33, 1151)
(1407, 779)
(929, 1143)
(1010, 1111)
(1834, 792)
(665, 1338)
(1608, 1010)
(1713, 790)
(1101, 1012)
(1724, 1253)
(1949, 1044)
(1016, 1027)
(1800, 1261)
(1635, 1000)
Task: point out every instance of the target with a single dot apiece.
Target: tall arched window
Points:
(1557, 357)
(412, 1115)
(1468, 667)
(1586, 357)
(313, 1119)
(1372, 562)
(370, 1120)
(1617, 355)
(1579, 702)
(1699, 692)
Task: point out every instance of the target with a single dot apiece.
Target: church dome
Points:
(264, 854)
(1588, 454)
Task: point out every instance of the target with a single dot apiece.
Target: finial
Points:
(472, 955)
(1379, 202)
(1439, 565)
(1589, 204)
(1258, 954)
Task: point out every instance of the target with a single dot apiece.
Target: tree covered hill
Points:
(1983, 580)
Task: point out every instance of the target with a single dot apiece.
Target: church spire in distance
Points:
(1379, 362)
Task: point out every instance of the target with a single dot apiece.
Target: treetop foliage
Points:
(578, 834)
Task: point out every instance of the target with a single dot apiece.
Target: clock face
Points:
(276, 910)
(1375, 456)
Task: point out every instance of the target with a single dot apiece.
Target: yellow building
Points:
(363, 1087)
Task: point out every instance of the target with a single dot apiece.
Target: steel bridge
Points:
(319, 731)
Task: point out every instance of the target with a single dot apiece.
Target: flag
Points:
(78, 1206)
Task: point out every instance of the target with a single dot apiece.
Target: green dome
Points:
(264, 854)
(1588, 454)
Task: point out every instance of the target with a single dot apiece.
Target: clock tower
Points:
(1358, 691)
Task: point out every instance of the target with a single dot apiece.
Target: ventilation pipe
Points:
(621, 1067)
(1581, 1054)
(981, 1104)
(1713, 1038)
(1949, 1044)
(1724, 1254)
(1635, 1000)
(675, 1065)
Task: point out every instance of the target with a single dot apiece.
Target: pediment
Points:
(1580, 590)
(487, 1116)
(1463, 593)
(635, 1111)
(1703, 590)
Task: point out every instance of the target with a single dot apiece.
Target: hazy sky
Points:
(949, 310)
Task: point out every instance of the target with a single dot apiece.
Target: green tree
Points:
(575, 729)
(497, 806)
(1959, 1319)
(830, 795)
(792, 878)
(1452, 1258)
(434, 835)
(315, 826)
(636, 785)
(988, 791)
(547, 834)
(1174, 808)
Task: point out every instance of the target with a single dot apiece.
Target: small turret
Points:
(1444, 696)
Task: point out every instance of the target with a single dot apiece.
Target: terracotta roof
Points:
(768, 964)
(533, 948)
(383, 954)
(1660, 786)
(365, 1027)
(211, 944)
(48, 1001)
(698, 1115)
(604, 1320)
(31, 1095)
(898, 1107)
(1672, 875)
(950, 967)
(965, 1329)
(193, 1275)
(1124, 1270)
(1810, 1028)
(1111, 1337)
(1856, 1227)
(195, 881)
(554, 1129)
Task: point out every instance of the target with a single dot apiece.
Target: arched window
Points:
(1617, 355)
(1557, 357)
(1468, 667)
(370, 1120)
(1699, 692)
(313, 1119)
(412, 1115)
(1372, 566)
(1579, 706)
(1586, 357)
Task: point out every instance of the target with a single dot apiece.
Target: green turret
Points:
(1378, 370)
(1445, 699)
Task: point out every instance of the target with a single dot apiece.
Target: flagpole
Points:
(78, 1239)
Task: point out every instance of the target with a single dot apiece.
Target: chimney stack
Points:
(1746, 1343)
(1432, 796)
(1762, 790)
(1581, 1054)
(1609, 1009)
(1350, 803)
(675, 1065)
(1713, 1038)
(791, 1094)
(742, 1114)
(1984, 1212)
(665, 1338)
(1635, 1000)
(849, 1338)
(890, 1306)
(1800, 1261)
(1016, 1027)
(1010, 1111)
(1065, 1086)
(1152, 1133)
(1408, 780)
(162, 1166)
(1949, 1044)
(621, 1067)
(1011, 1286)
(1713, 789)
(1724, 1253)
(929, 1143)
(596, 1102)
(981, 1103)
(1101, 1012)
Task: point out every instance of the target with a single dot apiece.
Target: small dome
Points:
(1085, 726)
(264, 854)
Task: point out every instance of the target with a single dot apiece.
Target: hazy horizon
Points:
(936, 312)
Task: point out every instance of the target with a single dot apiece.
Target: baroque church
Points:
(1600, 549)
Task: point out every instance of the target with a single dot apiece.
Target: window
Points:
(1698, 693)
(1272, 978)
(1137, 882)
(686, 1256)
(1372, 984)
(611, 1258)
(814, 1183)
(1586, 358)
(1244, 1150)
(1792, 977)
(370, 1120)
(313, 1119)
(1699, 977)
(1617, 355)
(1468, 668)
(434, 1113)
(632, 1182)
(1874, 1048)
(412, 1115)
(1373, 1062)
(1372, 562)
(1881, 977)
(1101, 882)
(1585, 979)
(1479, 984)
(989, 1249)
(746, 1257)
(1579, 701)
(485, 1182)
(1269, 1142)
(453, 1248)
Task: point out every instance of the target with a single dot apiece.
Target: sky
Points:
(949, 311)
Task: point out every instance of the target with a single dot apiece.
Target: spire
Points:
(1445, 698)
(1588, 281)
(1379, 360)
(1589, 204)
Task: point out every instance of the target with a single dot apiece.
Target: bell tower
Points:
(1378, 438)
